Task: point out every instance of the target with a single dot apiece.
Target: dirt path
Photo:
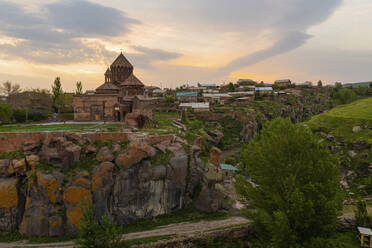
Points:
(180, 229)
(227, 153)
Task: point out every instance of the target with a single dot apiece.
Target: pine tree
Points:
(56, 93)
(79, 88)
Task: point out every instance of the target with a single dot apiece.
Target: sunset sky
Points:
(173, 42)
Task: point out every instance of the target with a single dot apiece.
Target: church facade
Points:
(120, 98)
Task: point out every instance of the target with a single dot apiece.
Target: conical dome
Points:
(121, 61)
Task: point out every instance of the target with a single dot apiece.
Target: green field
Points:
(341, 120)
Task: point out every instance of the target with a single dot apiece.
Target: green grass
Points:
(62, 127)
(340, 121)
(189, 214)
(16, 236)
(161, 158)
(164, 120)
(12, 155)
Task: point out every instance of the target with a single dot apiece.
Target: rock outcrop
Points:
(141, 181)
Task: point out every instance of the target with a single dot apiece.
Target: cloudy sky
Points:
(176, 42)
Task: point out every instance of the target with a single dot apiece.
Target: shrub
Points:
(20, 115)
(5, 113)
(36, 115)
(92, 234)
(361, 214)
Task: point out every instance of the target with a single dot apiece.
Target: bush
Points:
(36, 115)
(361, 214)
(92, 234)
(5, 113)
(20, 115)
(345, 96)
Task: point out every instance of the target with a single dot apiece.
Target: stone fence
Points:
(13, 141)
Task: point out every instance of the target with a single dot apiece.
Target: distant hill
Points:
(356, 85)
(341, 121)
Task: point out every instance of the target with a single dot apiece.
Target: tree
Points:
(361, 214)
(79, 88)
(320, 83)
(296, 190)
(5, 112)
(56, 93)
(338, 86)
(345, 96)
(231, 87)
(370, 85)
(9, 89)
(107, 234)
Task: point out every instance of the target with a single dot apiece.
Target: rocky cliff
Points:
(44, 186)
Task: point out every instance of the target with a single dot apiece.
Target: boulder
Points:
(215, 156)
(356, 129)
(105, 155)
(10, 212)
(19, 166)
(116, 148)
(31, 147)
(32, 161)
(4, 167)
(134, 154)
(91, 149)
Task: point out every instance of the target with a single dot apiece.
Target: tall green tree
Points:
(79, 88)
(320, 83)
(7, 88)
(56, 93)
(295, 188)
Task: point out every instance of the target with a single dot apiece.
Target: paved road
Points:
(180, 229)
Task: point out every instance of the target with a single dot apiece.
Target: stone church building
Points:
(120, 98)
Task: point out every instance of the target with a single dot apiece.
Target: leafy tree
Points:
(79, 88)
(20, 115)
(296, 186)
(231, 87)
(56, 93)
(92, 234)
(345, 96)
(370, 85)
(7, 88)
(320, 83)
(338, 86)
(5, 112)
(361, 214)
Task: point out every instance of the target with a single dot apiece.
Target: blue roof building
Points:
(185, 93)
(228, 167)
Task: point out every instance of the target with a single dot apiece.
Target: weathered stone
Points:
(215, 156)
(105, 155)
(159, 172)
(76, 194)
(90, 149)
(19, 166)
(135, 153)
(116, 148)
(356, 129)
(102, 186)
(352, 153)
(31, 147)
(4, 167)
(32, 161)
(10, 205)
(42, 197)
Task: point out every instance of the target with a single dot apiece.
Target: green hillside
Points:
(341, 120)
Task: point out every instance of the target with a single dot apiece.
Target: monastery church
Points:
(120, 98)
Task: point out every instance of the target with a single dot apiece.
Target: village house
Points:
(242, 94)
(196, 106)
(247, 88)
(209, 86)
(185, 96)
(216, 98)
(120, 98)
(283, 82)
(264, 90)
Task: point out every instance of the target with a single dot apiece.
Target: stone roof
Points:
(108, 86)
(122, 61)
(132, 81)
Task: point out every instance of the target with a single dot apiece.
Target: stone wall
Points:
(14, 141)
(94, 107)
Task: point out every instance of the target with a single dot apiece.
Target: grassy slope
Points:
(341, 120)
